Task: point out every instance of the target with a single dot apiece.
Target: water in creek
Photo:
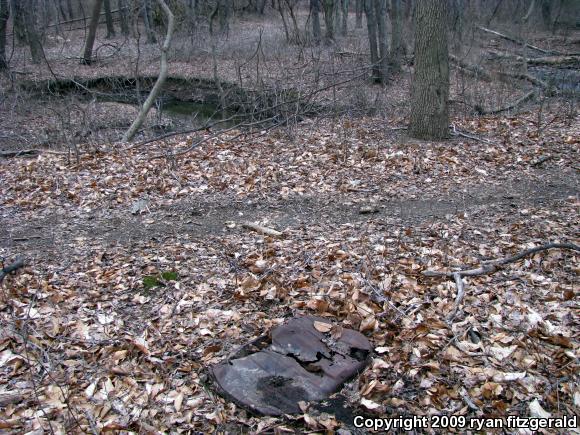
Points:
(184, 112)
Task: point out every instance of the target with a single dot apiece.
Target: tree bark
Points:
(430, 85)
(4, 15)
(315, 11)
(396, 39)
(109, 19)
(94, 23)
(372, 34)
(130, 133)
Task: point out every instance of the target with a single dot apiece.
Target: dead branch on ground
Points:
(29, 153)
(11, 268)
(493, 111)
(263, 230)
(517, 41)
(537, 61)
(491, 266)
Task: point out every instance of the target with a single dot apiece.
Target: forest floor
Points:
(88, 344)
(140, 273)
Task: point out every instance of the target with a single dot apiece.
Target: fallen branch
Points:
(473, 70)
(541, 160)
(19, 153)
(460, 294)
(469, 136)
(29, 153)
(493, 265)
(482, 74)
(529, 96)
(490, 267)
(263, 230)
(11, 268)
(538, 61)
(517, 41)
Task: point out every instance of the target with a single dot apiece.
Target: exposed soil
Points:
(203, 216)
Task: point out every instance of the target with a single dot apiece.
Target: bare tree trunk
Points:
(344, 28)
(380, 12)
(130, 133)
(146, 10)
(61, 10)
(396, 39)
(18, 22)
(109, 19)
(32, 36)
(4, 15)
(329, 19)
(547, 12)
(94, 23)
(284, 23)
(372, 33)
(224, 16)
(122, 6)
(315, 11)
(69, 8)
(430, 86)
(336, 15)
(295, 29)
(359, 13)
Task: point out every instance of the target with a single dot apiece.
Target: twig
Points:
(264, 230)
(469, 136)
(469, 402)
(460, 294)
(542, 159)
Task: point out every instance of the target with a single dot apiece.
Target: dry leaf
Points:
(322, 326)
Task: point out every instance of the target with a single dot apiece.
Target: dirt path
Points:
(202, 217)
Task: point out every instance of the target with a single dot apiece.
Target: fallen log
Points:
(474, 70)
(518, 41)
(537, 61)
(480, 73)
